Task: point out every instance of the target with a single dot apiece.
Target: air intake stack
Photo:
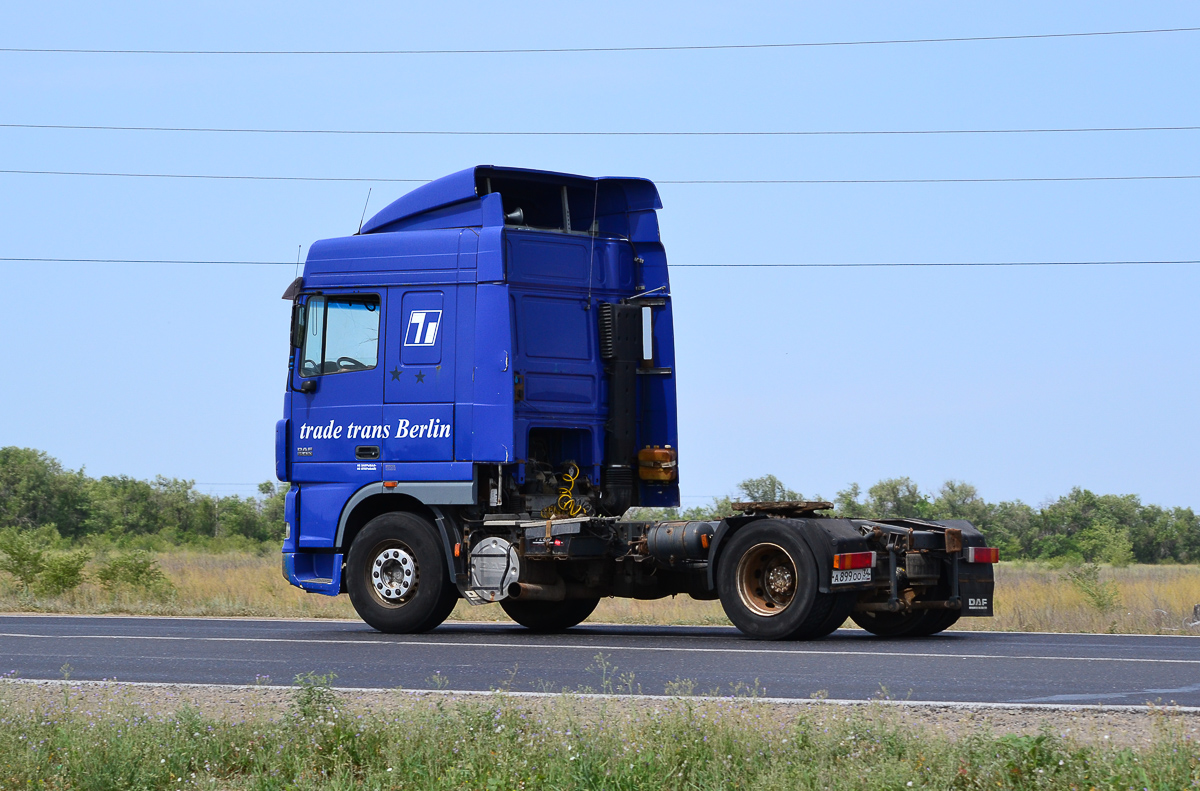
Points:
(620, 339)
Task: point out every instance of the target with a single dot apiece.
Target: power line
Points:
(556, 50)
(527, 133)
(206, 176)
(672, 266)
(927, 181)
(222, 177)
(930, 263)
(146, 261)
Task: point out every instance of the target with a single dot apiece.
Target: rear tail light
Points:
(854, 560)
(983, 555)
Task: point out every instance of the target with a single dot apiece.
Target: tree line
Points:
(38, 495)
(1080, 526)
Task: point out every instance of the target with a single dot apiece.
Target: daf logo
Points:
(422, 328)
(977, 604)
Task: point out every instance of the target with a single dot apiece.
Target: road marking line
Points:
(925, 704)
(235, 618)
(958, 630)
(594, 647)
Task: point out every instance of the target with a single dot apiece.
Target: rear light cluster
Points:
(854, 560)
(866, 560)
(983, 555)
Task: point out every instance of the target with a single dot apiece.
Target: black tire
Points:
(549, 616)
(780, 609)
(429, 595)
(936, 621)
(892, 624)
(837, 606)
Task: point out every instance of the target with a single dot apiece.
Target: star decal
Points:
(420, 376)
(395, 372)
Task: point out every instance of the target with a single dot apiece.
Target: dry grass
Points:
(225, 584)
(1029, 597)
(1149, 600)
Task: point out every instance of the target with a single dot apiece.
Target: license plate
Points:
(844, 576)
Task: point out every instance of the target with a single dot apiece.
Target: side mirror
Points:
(308, 386)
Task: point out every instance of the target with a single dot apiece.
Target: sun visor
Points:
(293, 289)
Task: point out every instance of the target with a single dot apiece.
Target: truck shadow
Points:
(586, 630)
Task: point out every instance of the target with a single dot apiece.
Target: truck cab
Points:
(481, 383)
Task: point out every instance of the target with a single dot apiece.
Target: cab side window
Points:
(341, 334)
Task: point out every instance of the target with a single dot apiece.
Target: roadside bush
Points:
(136, 570)
(315, 698)
(1104, 596)
(62, 572)
(28, 557)
(23, 556)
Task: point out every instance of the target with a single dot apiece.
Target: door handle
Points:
(366, 452)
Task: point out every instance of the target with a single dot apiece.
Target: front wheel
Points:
(397, 576)
(549, 616)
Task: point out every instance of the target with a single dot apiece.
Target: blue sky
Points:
(1023, 381)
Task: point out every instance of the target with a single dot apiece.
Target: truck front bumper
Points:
(313, 572)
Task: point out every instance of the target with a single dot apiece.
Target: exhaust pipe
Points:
(559, 591)
(526, 591)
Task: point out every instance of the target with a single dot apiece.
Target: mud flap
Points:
(976, 597)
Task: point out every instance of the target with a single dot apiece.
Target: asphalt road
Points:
(968, 667)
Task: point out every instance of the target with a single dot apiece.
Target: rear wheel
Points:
(936, 621)
(767, 581)
(549, 616)
(839, 607)
(397, 576)
(892, 624)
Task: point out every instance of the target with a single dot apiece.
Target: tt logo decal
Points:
(422, 328)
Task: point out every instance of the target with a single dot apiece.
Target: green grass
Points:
(68, 741)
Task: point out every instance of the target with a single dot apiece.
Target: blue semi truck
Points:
(481, 385)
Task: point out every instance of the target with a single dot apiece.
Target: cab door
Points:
(337, 386)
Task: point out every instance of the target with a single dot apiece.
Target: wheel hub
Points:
(393, 573)
(766, 579)
(780, 581)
